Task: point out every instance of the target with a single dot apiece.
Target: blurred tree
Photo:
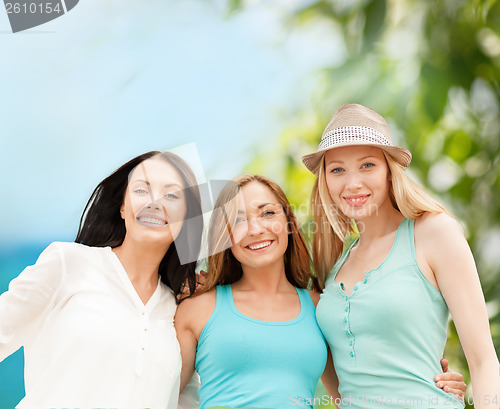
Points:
(431, 68)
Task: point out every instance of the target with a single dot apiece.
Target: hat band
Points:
(346, 134)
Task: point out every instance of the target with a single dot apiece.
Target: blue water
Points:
(13, 259)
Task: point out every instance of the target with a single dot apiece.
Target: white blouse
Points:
(89, 341)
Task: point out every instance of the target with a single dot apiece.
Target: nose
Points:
(353, 181)
(254, 227)
(154, 206)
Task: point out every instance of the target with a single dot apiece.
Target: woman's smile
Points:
(356, 200)
(149, 220)
(260, 246)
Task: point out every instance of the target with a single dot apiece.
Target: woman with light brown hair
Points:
(251, 333)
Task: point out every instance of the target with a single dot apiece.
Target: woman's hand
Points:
(201, 278)
(450, 381)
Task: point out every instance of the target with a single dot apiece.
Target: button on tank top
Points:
(248, 363)
(387, 337)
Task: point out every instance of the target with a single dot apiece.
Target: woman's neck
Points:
(379, 225)
(141, 261)
(265, 280)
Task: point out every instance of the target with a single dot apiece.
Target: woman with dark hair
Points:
(102, 225)
(95, 317)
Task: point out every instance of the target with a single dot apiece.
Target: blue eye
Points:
(240, 220)
(171, 196)
(268, 213)
(140, 191)
(336, 170)
(367, 165)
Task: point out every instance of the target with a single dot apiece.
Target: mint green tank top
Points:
(387, 337)
(249, 363)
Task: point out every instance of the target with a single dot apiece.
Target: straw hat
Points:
(354, 124)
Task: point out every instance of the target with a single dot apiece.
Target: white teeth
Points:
(260, 245)
(358, 199)
(151, 220)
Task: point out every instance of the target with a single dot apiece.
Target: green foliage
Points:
(234, 6)
(432, 69)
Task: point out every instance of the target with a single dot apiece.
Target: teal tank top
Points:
(248, 363)
(387, 337)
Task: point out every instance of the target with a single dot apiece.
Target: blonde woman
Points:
(252, 334)
(386, 300)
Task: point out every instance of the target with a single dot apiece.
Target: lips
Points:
(260, 245)
(356, 201)
(151, 220)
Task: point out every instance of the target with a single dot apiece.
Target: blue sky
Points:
(111, 79)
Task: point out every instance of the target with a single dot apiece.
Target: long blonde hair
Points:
(223, 268)
(333, 228)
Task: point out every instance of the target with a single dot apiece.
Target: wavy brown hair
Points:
(223, 268)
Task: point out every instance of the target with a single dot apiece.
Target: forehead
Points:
(156, 170)
(255, 193)
(353, 153)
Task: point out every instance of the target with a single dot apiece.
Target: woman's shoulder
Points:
(61, 247)
(194, 312)
(437, 235)
(432, 226)
(71, 246)
(69, 250)
(198, 303)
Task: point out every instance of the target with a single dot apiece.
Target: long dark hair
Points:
(101, 224)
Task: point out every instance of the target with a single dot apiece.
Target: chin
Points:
(359, 214)
(157, 238)
(264, 262)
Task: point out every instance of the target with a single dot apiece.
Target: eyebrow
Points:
(259, 207)
(149, 184)
(334, 161)
(360, 159)
(173, 184)
(265, 204)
